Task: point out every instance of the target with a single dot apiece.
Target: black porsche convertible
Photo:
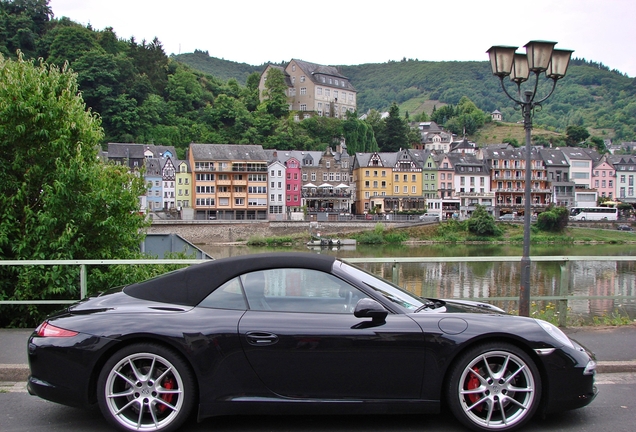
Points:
(295, 333)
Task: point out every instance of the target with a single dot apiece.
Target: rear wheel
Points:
(146, 387)
(494, 387)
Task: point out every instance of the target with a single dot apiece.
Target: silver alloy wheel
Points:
(144, 392)
(497, 390)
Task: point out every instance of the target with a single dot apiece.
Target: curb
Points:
(616, 366)
(14, 372)
(20, 372)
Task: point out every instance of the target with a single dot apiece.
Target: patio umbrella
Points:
(309, 185)
(342, 186)
(325, 185)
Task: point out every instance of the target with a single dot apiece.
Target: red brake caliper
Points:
(167, 398)
(473, 383)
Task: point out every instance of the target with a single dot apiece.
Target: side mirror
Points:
(369, 308)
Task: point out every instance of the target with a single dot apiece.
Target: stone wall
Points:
(204, 232)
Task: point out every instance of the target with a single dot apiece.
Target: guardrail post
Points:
(83, 281)
(564, 285)
(396, 274)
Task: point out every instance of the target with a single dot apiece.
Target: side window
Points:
(227, 296)
(299, 290)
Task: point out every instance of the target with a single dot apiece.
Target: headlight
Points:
(556, 333)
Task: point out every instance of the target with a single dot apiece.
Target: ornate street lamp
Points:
(540, 57)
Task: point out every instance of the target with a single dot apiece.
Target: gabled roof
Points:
(125, 150)
(575, 153)
(554, 157)
(282, 69)
(313, 71)
(462, 145)
(513, 153)
(228, 152)
(159, 151)
(153, 167)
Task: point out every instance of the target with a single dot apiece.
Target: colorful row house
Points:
(232, 181)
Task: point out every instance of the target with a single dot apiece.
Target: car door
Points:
(303, 341)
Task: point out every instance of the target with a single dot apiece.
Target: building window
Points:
(302, 78)
(303, 107)
(319, 93)
(303, 91)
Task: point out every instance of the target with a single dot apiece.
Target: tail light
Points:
(47, 329)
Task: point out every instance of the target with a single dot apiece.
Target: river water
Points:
(490, 281)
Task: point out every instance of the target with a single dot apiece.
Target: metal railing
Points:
(560, 299)
(84, 273)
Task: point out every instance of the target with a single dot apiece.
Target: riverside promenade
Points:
(614, 347)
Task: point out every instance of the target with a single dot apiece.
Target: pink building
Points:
(604, 179)
(293, 184)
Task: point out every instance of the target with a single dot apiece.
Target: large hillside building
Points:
(314, 89)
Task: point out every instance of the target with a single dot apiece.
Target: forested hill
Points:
(219, 68)
(591, 94)
(142, 95)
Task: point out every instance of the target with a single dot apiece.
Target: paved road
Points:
(613, 410)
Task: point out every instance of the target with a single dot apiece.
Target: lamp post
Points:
(540, 57)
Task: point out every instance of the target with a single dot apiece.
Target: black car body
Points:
(300, 333)
(624, 227)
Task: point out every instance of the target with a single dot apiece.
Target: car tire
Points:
(146, 387)
(494, 387)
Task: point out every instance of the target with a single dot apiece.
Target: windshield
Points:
(384, 288)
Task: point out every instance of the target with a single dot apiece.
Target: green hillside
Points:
(590, 95)
(221, 69)
(142, 95)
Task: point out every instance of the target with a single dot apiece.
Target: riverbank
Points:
(457, 233)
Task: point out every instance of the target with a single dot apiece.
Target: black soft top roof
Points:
(190, 285)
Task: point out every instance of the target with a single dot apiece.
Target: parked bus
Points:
(593, 213)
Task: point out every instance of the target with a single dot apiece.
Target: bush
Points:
(554, 219)
(481, 223)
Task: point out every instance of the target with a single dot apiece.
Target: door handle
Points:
(261, 338)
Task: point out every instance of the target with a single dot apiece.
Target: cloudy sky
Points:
(352, 32)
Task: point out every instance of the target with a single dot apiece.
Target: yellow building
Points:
(388, 182)
(184, 186)
(407, 184)
(372, 175)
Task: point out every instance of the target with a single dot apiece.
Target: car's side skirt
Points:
(288, 406)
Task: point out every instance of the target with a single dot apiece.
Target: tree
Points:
(576, 135)
(481, 223)
(276, 94)
(443, 114)
(57, 199)
(554, 219)
(22, 23)
(395, 132)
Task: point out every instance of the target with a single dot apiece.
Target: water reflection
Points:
(492, 281)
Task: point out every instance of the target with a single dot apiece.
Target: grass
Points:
(271, 241)
(456, 232)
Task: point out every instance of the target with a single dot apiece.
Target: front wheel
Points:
(494, 387)
(146, 387)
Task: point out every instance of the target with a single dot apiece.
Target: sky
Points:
(353, 32)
